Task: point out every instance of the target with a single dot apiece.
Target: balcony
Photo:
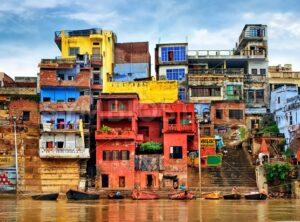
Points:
(82, 153)
(221, 72)
(63, 128)
(96, 59)
(226, 54)
(117, 134)
(180, 128)
(81, 105)
(57, 63)
(285, 75)
(115, 114)
(255, 78)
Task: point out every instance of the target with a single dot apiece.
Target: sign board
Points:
(7, 161)
(208, 142)
(214, 160)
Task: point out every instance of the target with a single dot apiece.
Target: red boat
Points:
(182, 195)
(144, 195)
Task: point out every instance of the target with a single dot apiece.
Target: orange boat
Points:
(144, 195)
(213, 195)
(182, 195)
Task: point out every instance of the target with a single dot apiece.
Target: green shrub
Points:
(105, 128)
(150, 146)
(277, 172)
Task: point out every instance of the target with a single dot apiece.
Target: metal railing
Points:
(62, 126)
(64, 152)
(230, 71)
(225, 53)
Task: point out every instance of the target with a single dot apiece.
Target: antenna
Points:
(159, 40)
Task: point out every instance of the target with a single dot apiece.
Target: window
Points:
(175, 152)
(219, 113)
(278, 100)
(46, 99)
(291, 118)
(254, 71)
(105, 180)
(73, 51)
(106, 155)
(60, 144)
(70, 77)
(206, 92)
(173, 54)
(49, 144)
(182, 95)
(96, 43)
(250, 96)
(71, 99)
(61, 77)
(122, 106)
(175, 74)
(125, 155)
(122, 181)
(112, 107)
(236, 114)
(115, 155)
(206, 131)
(263, 72)
(233, 90)
(259, 95)
(26, 116)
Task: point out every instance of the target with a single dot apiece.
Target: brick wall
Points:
(132, 52)
(17, 107)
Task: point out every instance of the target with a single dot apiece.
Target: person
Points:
(225, 151)
(235, 190)
(182, 187)
(118, 193)
(263, 191)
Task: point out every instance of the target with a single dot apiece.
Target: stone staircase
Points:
(237, 170)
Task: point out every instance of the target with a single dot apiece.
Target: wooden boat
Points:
(256, 196)
(232, 196)
(213, 195)
(144, 195)
(49, 196)
(115, 196)
(79, 195)
(182, 195)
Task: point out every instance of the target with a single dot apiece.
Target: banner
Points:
(7, 161)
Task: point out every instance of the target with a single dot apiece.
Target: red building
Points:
(125, 127)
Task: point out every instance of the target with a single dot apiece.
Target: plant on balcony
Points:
(105, 129)
(271, 128)
(150, 147)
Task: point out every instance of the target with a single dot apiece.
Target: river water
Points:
(151, 210)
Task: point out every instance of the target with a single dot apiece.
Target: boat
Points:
(49, 196)
(144, 195)
(232, 196)
(213, 195)
(116, 195)
(182, 195)
(256, 196)
(79, 195)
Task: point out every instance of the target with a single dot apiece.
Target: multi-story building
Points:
(125, 125)
(171, 63)
(232, 75)
(282, 75)
(132, 62)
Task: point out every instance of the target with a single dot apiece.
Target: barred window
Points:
(106, 155)
(125, 155)
(235, 114)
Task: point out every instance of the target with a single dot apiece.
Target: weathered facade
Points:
(124, 125)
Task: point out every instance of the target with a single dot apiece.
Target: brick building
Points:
(124, 126)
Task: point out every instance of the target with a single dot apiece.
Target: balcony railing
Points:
(116, 134)
(181, 127)
(61, 127)
(293, 75)
(194, 54)
(64, 153)
(96, 59)
(230, 71)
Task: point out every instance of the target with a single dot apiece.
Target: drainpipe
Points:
(199, 157)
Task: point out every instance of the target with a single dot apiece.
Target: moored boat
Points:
(79, 195)
(256, 196)
(49, 196)
(116, 195)
(182, 195)
(213, 195)
(232, 196)
(144, 195)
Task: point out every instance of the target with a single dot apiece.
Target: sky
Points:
(27, 26)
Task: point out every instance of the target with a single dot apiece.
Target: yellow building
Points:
(98, 45)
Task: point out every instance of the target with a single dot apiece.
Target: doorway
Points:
(105, 180)
(149, 180)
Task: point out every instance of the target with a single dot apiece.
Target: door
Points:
(149, 180)
(105, 180)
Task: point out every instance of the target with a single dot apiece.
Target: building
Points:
(171, 63)
(132, 62)
(125, 126)
(282, 75)
(19, 103)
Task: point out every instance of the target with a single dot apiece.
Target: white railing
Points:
(64, 153)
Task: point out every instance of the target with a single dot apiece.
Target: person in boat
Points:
(182, 188)
(118, 194)
(263, 191)
(235, 190)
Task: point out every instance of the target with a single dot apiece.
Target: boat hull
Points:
(213, 196)
(78, 195)
(144, 195)
(50, 196)
(114, 196)
(182, 195)
(232, 197)
(257, 196)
